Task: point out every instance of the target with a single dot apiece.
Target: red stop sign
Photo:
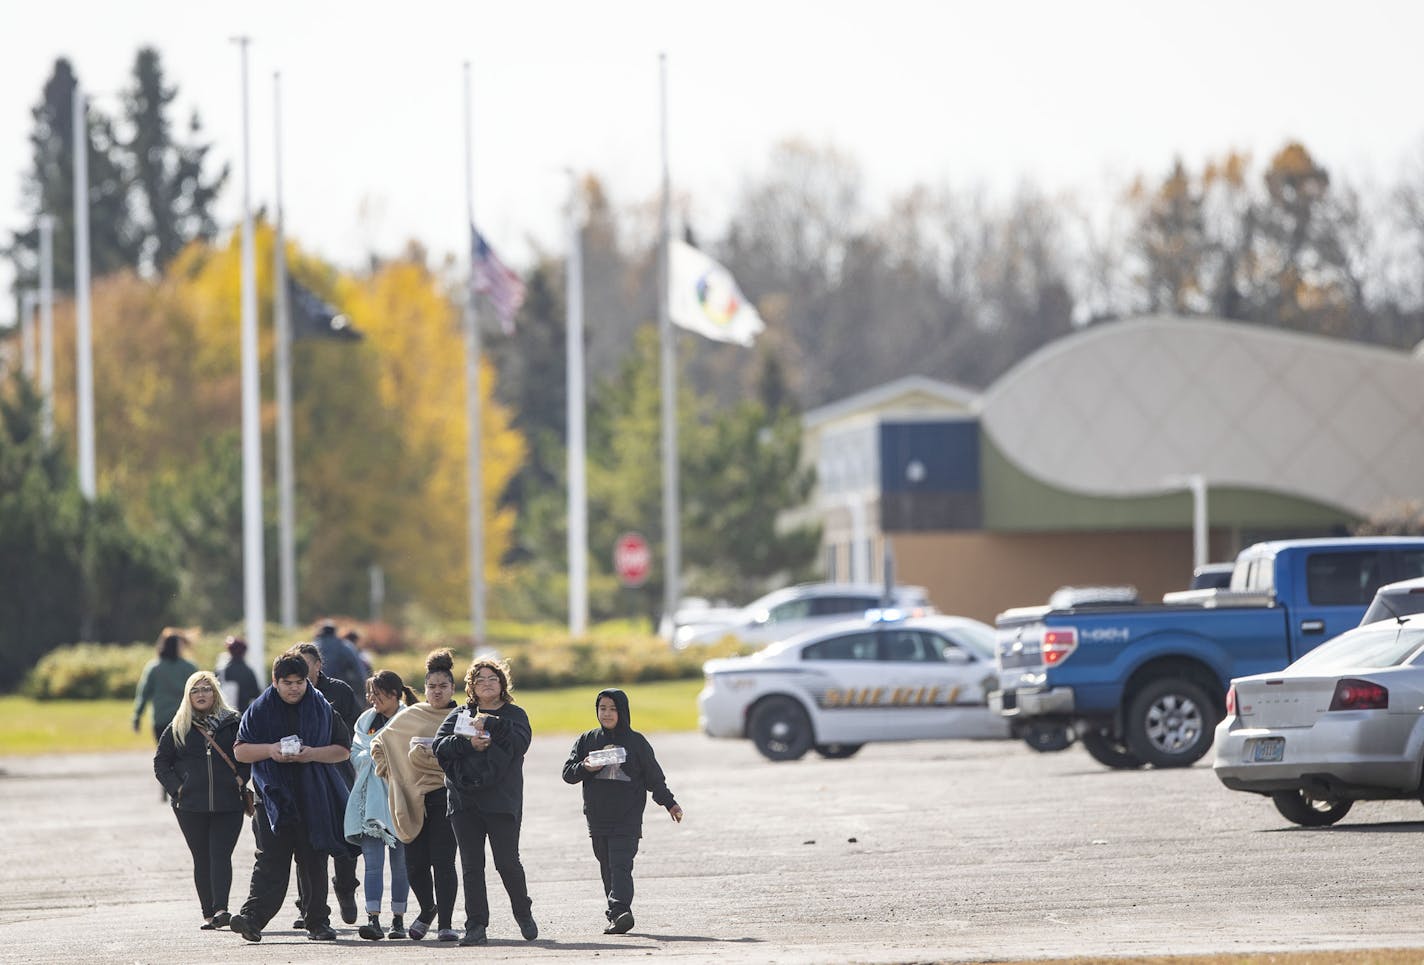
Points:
(632, 559)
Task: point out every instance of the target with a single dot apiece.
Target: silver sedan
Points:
(1343, 723)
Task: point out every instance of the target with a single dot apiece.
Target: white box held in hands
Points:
(291, 744)
(468, 725)
(608, 755)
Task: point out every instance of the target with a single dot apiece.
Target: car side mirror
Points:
(956, 656)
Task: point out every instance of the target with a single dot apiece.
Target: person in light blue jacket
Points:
(368, 810)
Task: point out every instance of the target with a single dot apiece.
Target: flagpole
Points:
(254, 603)
(286, 512)
(47, 324)
(574, 352)
(28, 298)
(83, 349)
(472, 401)
(671, 511)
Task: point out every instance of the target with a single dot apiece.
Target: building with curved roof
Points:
(1073, 467)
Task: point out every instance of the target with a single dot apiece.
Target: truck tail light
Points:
(1351, 694)
(1058, 645)
(1231, 701)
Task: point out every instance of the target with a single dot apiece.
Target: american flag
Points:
(492, 277)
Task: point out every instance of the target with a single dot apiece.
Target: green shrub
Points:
(540, 656)
(88, 671)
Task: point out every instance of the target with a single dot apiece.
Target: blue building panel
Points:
(929, 475)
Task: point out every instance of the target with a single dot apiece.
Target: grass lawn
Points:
(55, 727)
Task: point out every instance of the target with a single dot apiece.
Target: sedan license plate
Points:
(1266, 750)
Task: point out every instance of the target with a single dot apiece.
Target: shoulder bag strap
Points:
(221, 753)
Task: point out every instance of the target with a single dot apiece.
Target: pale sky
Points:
(1077, 95)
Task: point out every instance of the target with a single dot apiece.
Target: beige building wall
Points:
(979, 574)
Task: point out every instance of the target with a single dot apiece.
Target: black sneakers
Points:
(397, 927)
(474, 936)
(371, 931)
(347, 901)
(245, 928)
(528, 928)
(418, 928)
(322, 933)
(622, 923)
(221, 919)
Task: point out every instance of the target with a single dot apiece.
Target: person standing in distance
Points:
(302, 796)
(614, 797)
(164, 682)
(340, 659)
(240, 683)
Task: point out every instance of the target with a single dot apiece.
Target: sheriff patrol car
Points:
(837, 688)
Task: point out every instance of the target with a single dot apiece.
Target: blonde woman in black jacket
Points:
(204, 789)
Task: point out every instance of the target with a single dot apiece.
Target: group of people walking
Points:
(406, 785)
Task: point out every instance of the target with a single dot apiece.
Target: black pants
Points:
(472, 827)
(211, 836)
(272, 872)
(615, 854)
(343, 877)
(432, 854)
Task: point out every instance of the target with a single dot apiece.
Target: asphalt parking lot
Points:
(953, 851)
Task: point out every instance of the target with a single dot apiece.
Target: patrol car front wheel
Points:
(781, 730)
(837, 752)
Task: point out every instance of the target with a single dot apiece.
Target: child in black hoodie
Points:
(614, 797)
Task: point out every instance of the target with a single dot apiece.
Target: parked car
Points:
(837, 688)
(699, 613)
(786, 612)
(1145, 684)
(1395, 600)
(1343, 723)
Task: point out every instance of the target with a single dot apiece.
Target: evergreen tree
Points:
(172, 197)
(48, 188)
(68, 566)
(742, 479)
(739, 471)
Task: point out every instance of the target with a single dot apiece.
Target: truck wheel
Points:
(1109, 751)
(837, 752)
(1047, 738)
(1308, 811)
(1169, 723)
(781, 730)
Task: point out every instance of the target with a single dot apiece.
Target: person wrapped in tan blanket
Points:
(401, 756)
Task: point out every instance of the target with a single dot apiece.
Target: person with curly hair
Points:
(484, 774)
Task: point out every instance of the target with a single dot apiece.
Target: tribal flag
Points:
(491, 277)
(704, 298)
(313, 317)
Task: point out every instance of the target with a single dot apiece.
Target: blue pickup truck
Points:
(1146, 684)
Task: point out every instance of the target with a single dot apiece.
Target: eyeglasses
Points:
(484, 680)
(201, 690)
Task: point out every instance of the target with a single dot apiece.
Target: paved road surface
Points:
(909, 852)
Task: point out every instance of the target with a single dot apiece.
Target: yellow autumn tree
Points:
(378, 424)
(413, 325)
